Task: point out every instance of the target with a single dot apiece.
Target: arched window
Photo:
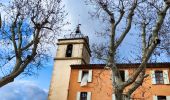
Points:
(69, 50)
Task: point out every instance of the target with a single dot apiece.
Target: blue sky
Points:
(24, 88)
(36, 87)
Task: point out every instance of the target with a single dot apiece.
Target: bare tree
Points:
(148, 19)
(26, 30)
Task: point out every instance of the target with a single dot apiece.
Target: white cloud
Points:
(22, 90)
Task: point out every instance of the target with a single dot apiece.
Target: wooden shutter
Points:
(126, 75)
(165, 76)
(79, 75)
(113, 97)
(155, 97)
(78, 96)
(90, 76)
(167, 97)
(84, 79)
(88, 95)
(153, 77)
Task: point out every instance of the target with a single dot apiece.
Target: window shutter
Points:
(113, 97)
(84, 80)
(80, 76)
(126, 75)
(153, 77)
(165, 76)
(155, 97)
(167, 97)
(90, 76)
(88, 95)
(78, 96)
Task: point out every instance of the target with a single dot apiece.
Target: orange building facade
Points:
(155, 87)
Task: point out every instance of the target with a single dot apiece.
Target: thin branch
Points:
(121, 14)
(27, 46)
(130, 15)
(104, 6)
(19, 35)
(13, 33)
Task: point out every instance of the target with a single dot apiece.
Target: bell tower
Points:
(72, 49)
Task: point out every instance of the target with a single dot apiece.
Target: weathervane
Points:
(78, 29)
(76, 34)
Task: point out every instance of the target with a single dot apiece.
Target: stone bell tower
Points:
(72, 49)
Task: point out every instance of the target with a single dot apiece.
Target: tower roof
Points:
(76, 34)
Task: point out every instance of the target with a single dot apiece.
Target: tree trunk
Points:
(126, 97)
(120, 96)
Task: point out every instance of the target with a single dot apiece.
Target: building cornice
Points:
(70, 58)
(121, 65)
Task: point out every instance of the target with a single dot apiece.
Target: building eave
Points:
(121, 65)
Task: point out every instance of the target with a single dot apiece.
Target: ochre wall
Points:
(61, 71)
(60, 79)
(101, 86)
(149, 90)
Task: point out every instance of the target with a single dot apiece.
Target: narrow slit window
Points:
(69, 50)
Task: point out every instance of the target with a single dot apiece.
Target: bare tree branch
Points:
(29, 21)
(143, 16)
(149, 51)
(129, 23)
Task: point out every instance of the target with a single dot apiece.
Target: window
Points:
(159, 77)
(122, 74)
(69, 50)
(84, 77)
(161, 97)
(83, 96)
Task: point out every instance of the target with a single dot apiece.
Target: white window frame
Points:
(165, 76)
(153, 76)
(88, 95)
(84, 79)
(156, 97)
(90, 75)
(126, 75)
(113, 97)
